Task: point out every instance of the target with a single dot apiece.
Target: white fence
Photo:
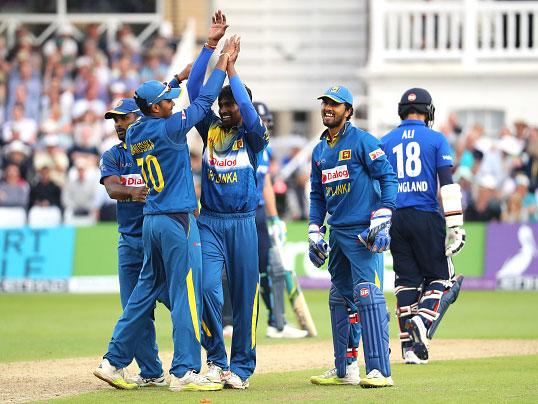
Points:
(467, 31)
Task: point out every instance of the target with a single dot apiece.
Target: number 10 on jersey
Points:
(149, 165)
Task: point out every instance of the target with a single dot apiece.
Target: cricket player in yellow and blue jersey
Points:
(229, 199)
(172, 251)
(352, 181)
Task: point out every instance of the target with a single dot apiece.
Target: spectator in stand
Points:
(125, 73)
(45, 192)
(64, 44)
(531, 165)
(26, 76)
(13, 189)
(513, 209)
(464, 177)
(485, 207)
(19, 127)
(154, 68)
(18, 153)
(51, 154)
(79, 195)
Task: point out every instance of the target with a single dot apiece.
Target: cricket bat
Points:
(296, 296)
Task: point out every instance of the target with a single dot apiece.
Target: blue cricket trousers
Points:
(230, 241)
(172, 263)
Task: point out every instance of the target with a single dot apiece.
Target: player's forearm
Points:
(269, 197)
(119, 192)
(197, 74)
(389, 188)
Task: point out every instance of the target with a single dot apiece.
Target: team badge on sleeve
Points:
(344, 154)
(376, 154)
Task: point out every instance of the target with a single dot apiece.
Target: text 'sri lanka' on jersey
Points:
(416, 152)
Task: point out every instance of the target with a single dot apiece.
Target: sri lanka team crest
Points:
(376, 154)
(238, 144)
(335, 89)
(344, 154)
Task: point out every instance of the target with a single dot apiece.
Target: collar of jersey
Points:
(413, 122)
(341, 133)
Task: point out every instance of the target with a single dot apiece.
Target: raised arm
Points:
(257, 133)
(181, 122)
(216, 32)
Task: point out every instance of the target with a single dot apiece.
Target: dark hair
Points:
(349, 106)
(142, 104)
(226, 92)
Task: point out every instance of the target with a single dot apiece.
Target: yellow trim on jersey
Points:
(254, 317)
(333, 141)
(377, 281)
(206, 329)
(192, 304)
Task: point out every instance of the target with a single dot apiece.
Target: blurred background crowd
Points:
(53, 98)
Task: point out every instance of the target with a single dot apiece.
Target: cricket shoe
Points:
(376, 379)
(330, 377)
(417, 331)
(147, 382)
(214, 373)
(287, 332)
(193, 381)
(113, 376)
(232, 381)
(228, 331)
(411, 358)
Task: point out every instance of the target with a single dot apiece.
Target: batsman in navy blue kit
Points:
(353, 182)
(123, 182)
(172, 250)
(233, 142)
(425, 280)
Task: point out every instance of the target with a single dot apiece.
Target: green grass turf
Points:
(43, 326)
(509, 379)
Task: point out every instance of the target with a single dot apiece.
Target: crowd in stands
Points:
(53, 97)
(52, 101)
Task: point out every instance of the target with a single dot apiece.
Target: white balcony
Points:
(471, 55)
(463, 31)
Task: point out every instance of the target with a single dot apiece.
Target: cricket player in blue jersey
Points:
(172, 251)
(425, 281)
(232, 145)
(352, 180)
(123, 182)
(270, 229)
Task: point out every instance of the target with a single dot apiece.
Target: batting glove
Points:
(278, 229)
(318, 249)
(455, 240)
(376, 238)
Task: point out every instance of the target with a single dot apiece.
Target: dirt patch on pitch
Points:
(42, 380)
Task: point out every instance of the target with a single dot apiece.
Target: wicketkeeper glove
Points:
(278, 229)
(451, 197)
(376, 238)
(318, 249)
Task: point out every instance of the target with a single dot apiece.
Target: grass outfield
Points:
(508, 379)
(43, 326)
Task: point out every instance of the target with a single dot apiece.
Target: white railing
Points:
(108, 22)
(468, 31)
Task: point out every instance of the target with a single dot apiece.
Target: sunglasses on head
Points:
(167, 89)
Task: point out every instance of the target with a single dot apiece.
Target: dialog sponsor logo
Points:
(334, 174)
(132, 180)
(222, 163)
